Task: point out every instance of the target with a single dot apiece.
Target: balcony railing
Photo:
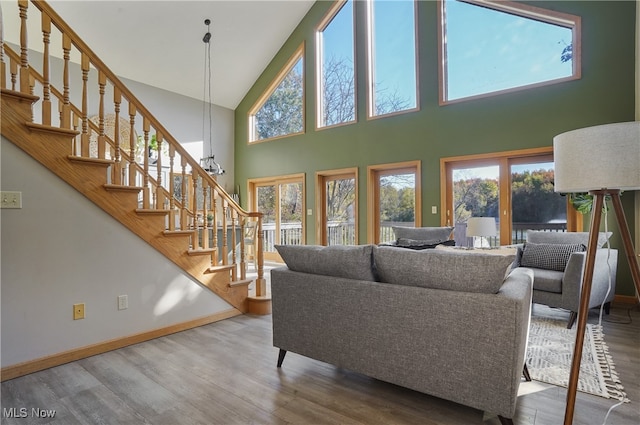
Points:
(344, 233)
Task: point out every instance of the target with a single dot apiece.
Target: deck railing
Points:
(344, 233)
(113, 125)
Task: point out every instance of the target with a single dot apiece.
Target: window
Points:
(492, 47)
(281, 201)
(336, 89)
(280, 111)
(337, 206)
(515, 188)
(393, 199)
(391, 31)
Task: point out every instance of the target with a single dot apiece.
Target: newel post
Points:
(261, 283)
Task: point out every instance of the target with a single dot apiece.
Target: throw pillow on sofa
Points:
(455, 270)
(348, 261)
(433, 234)
(548, 256)
(417, 244)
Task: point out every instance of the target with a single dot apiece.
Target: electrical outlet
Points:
(78, 311)
(10, 199)
(123, 302)
(434, 209)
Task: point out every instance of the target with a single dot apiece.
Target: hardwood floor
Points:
(225, 373)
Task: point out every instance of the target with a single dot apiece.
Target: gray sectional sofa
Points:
(452, 324)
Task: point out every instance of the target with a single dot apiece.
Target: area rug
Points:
(550, 351)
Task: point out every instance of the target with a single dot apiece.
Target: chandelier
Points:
(208, 163)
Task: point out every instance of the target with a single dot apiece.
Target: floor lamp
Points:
(602, 160)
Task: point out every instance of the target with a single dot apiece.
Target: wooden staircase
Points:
(163, 215)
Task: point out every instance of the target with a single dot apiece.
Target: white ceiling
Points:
(159, 42)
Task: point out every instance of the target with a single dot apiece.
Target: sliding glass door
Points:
(515, 188)
(281, 201)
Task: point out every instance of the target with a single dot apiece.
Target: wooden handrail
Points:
(62, 26)
(197, 186)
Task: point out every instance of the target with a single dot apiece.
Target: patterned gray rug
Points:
(549, 354)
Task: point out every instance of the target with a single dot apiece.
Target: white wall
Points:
(182, 117)
(61, 249)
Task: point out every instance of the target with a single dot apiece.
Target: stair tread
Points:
(243, 282)
(261, 298)
(177, 232)
(91, 161)
(201, 251)
(50, 129)
(151, 211)
(220, 267)
(119, 187)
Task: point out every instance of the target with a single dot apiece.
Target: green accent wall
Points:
(518, 120)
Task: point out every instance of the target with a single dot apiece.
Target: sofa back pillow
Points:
(348, 261)
(455, 270)
(431, 234)
(417, 244)
(548, 256)
(539, 236)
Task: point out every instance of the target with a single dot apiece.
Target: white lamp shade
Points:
(601, 157)
(481, 226)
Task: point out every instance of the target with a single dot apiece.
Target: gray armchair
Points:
(562, 288)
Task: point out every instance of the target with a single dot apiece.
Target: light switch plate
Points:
(10, 199)
(123, 302)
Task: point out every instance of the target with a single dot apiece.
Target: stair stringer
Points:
(52, 147)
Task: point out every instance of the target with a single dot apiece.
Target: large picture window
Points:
(492, 47)
(392, 74)
(335, 66)
(280, 111)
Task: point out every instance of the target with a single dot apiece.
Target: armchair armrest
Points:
(605, 265)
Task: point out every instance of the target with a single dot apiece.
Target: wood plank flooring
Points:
(225, 373)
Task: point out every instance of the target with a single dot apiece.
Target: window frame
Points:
(373, 193)
(370, 54)
(322, 177)
(298, 54)
(504, 160)
(319, 75)
(252, 191)
(553, 17)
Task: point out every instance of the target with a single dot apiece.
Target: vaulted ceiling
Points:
(160, 42)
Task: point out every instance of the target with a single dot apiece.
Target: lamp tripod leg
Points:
(626, 241)
(599, 196)
(572, 388)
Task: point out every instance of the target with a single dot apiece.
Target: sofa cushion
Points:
(549, 256)
(434, 234)
(418, 244)
(456, 270)
(547, 280)
(348, 261)
(538, 236)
